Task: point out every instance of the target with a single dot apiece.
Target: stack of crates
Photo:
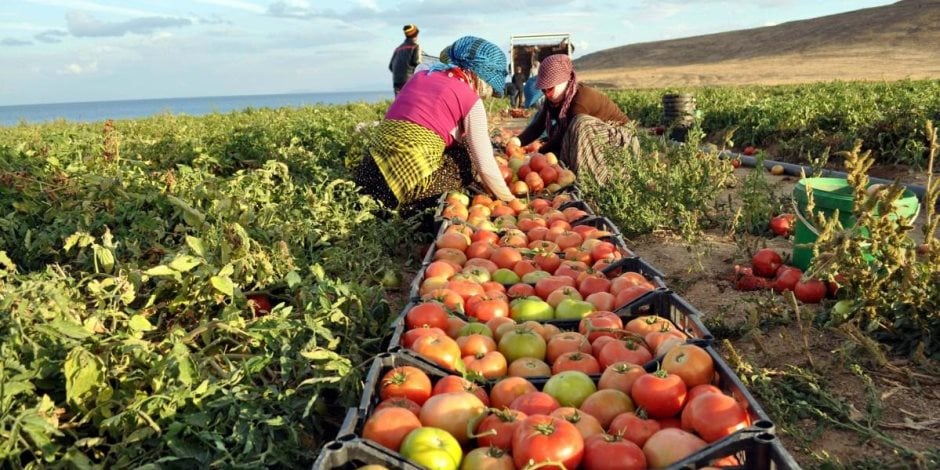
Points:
(754, 447)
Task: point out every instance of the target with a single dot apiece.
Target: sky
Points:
(55, 51)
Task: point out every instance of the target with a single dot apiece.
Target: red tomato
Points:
(506, 390)
(489, 365)
(543, 438)
(406, 381)
(576, 360)
(389, 426)
(606, 404)
(787, 278)
(661, 394)
(409, 337)
(610, 451)
(587, 424)
(568, 341)
(431, 314)
(646, 324)
(782, 224)
(452, 412)
(535, 403)
(810, 292)
(749, 150)
(691, 363)
(620, 376)
(716, 415)
(669, 446)
(398, 402)
(488, 306)
(487, 458)
(259, 303)
(593, 284)
(600, 323)
(456, 383)
(439, 349)
(624, 351)
(765, 262)
(497, 427)
(635, 427)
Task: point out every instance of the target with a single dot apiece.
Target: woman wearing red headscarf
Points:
(579, 120)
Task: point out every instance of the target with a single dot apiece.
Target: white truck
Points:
(525, 49)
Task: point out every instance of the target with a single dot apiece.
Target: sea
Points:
(92, 111)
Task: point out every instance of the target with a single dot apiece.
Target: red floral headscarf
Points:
(555, 70)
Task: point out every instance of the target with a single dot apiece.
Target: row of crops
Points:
(203, 291)
(801, 122)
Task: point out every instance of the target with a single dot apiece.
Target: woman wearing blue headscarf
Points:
(435, 135)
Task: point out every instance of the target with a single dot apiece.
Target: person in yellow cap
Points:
(406, 57)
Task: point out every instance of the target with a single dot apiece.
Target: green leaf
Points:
(82, 239)
(69, 329)
(140, 323)
(105, 258)
(292, 279)
(223, 285)
(184, 263)
(161, 270)
(196, 245)
(190, 215)
(84, 375)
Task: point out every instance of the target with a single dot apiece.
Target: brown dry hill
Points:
(897, 41)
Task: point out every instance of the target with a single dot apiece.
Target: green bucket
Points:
(831, 194)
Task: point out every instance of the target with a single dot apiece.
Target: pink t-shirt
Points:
(435, 101)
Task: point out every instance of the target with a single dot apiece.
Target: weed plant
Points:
(662, 186)
(890, 284)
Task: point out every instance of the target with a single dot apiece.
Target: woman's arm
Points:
(534, 130)
(478, 142)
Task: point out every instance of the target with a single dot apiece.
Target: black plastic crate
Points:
(668, 304)
(744, 450)
(349, 453)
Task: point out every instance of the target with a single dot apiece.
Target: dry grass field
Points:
(892, 42)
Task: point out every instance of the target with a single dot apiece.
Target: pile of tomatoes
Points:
(528, 343)
(768, 271)
(630, 417)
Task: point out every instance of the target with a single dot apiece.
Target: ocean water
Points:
(128, 109)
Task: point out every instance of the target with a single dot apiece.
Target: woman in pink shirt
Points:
(435, 136)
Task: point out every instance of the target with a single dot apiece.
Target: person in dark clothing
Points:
(406, 57)
(518, 82)
(581, 122)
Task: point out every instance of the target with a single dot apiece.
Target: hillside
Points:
(882, 43)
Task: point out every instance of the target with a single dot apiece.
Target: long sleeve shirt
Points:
(586, 100)
(451, 109)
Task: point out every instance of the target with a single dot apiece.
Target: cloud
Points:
(81, 24)
(92, 6)
(10, 42)
(300, 9)
(51, 36)
(79, 69)
(235, 5)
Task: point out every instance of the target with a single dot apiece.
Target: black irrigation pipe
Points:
(799, 170)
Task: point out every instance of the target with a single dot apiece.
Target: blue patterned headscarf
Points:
(481, 57)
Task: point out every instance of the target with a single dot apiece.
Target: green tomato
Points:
(433, 448)
(573, 309)
(477, 273)
(520, 342)
(570, 387)
(475, 327)
(531, 309)
(505, 276)
(534, 276)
